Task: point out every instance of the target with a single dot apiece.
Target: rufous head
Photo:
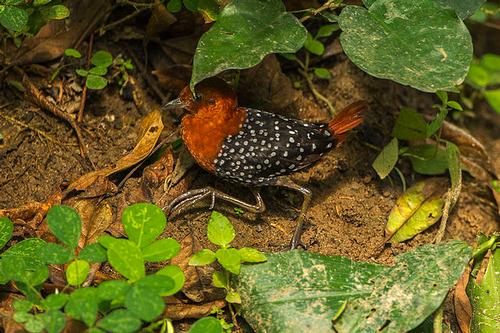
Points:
(211, 94)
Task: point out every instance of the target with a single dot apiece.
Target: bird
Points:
(251, 147)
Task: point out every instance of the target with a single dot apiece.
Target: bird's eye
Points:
(197, 97)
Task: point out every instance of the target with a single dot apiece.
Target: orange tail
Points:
(347, 119)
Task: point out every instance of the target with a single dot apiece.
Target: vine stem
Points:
(330, 4)
(316, 93)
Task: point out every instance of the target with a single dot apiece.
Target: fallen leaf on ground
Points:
(461, 302)
(179, 310)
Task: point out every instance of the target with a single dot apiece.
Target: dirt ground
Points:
(39, 154)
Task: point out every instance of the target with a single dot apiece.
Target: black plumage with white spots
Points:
(269, 146)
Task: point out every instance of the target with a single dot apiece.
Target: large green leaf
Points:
(415, 43)
(463, 8)
(485, 298)
(65, 224)
(13, 18)
(301, 292)
(245, 32)
(126, 258)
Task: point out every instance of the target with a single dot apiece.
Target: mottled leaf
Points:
(143, 223)
(6, 229)
(220, 230)
(64, 222)
(387, 159)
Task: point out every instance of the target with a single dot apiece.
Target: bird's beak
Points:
(173, 104)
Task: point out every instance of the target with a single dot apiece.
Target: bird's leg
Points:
(288, 183)
(190, 198)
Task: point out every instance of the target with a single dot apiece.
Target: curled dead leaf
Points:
(179, 310)
(461, 302)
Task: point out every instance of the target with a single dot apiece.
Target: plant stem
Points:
(330, 4)
(437, 325)
(316, 93)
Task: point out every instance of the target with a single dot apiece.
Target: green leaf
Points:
(493, 98)
(22, 269)
(144, 303)
(38, 3)
(96, 82)
(6, 229)
(206, 325)
(219, 280)
(29, 248)
(175, 273)
(454, 105)
(203, 257)
(55, 301)
(65, 224)
(463, 8)
(322, 73)
(437, 122)
(230, 259)
(56, 12)
(81, 72)
(22, 305)
(415, 43)
(478, 76)
(143, 223)
(484, 295)
(220, 230)
(12, 2)
(120, 321)
(77, 272)
(34, 324)
(410, 125)
(54, 321)
(314, 46)
(428, 159)
(387, 159)
(174, 6)
(105, 240)
(126, 259)
(244, 33)
(326, 30)
(13, 18)
(82, 305)
(93, 253)
(55, 254)
(297, 289)
(98, 70)
(102, 58)
(249, 254)
(157, 283)
(160, 250)
(112, 289)
(21, 317)
(443, 96)
(233, 297)
(72, 53)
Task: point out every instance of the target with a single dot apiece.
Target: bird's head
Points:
(212, 95)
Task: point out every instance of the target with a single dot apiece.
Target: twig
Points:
(84, 93)
(316, 93)
(122, 20)
(330, 4)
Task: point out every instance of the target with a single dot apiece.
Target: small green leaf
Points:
(38, 3)
(6, 229)
(21, 317)
(175, 273)
(455, 105)
(82, 305)
(120, 321)
(81, 72)
(160, 250)
(144, 303)
(96, 82)
(410, 125)
(233, 297)
(56, 12)
(230, 259)
(437, 122)
(22, 305)
(219, 280)
(126, 259)
(203, 257)
(314, 46)
(289, 56)
(77, 272)
(248, 30)
(157, 283)
(143, 223)
(322, 73)
(54, 321)
(249, 254)
(326, 30)
(53, 253)
(443, 96)
(93, 253)
(105, 240)
(65, 224)
(220, 230)
(174, 6)
(112, 289)
(34, 324)
(478, 76)
(55, 301)
(98, 70)
(13, 18)
(206, 325)
(102, 58)
(387, 159)
(72, 53)
(493, 98)
(428, 159)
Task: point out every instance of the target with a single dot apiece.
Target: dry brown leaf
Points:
(151, 128)
(56, 36)
(178, 310)
(461, 302)
(95, 220)
(159, 21)
(173, 77)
